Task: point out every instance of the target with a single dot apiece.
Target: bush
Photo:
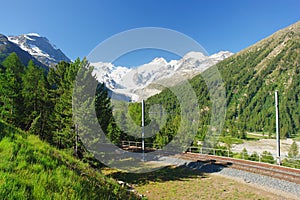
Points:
(243, 155)
(291, 163)
(254, 156)
(267, 157)
(294, 150)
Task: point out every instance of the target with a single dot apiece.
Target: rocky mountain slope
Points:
(7, 47)
(40, 48)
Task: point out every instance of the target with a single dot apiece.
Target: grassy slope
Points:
(32, 169)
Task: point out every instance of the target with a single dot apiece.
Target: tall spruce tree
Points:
(33, 93)
(36, 100)
(61, 80)
(10, 90)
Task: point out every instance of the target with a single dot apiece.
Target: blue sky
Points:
(77, 27)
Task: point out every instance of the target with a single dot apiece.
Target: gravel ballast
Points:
(268, 183)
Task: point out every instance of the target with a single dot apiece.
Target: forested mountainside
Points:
(251, 78)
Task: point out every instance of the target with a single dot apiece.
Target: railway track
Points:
(271, 170)
(275, 171)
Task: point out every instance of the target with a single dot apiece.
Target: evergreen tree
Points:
(7, 95)
(103, 107)
(35, 95)
(114, 133)
(294, 150)
(14, 63)
(10, 90)
(61, 80)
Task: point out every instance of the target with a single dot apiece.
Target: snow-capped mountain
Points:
(40, 48)
(135, 82)
(7, 47)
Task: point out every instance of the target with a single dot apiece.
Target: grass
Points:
(184, 183)
(231, 140)
(165, 174)
(32, 169)
(254, 137)
(297, 137)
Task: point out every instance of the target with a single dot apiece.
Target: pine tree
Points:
(14, 63)
(294, 150)
(7, 95)
(113, 132)
(10, 89)
(61, 80)
(34, 92)
(103, 107)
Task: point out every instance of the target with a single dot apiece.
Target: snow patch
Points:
(33, 34)
(28, 38)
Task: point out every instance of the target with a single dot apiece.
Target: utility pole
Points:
(143, 129)
(277, 128)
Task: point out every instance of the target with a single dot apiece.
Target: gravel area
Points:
(268, 183)
(264, 145)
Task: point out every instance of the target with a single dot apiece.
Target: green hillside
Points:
(32, 169)
(251, 77)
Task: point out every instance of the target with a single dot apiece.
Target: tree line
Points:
(40, 101)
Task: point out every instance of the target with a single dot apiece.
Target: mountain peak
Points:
(33, 34)
(158, 61)
(40, 48)
(195, 55)
(221, 55)
(33, 37)
(7, 47)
